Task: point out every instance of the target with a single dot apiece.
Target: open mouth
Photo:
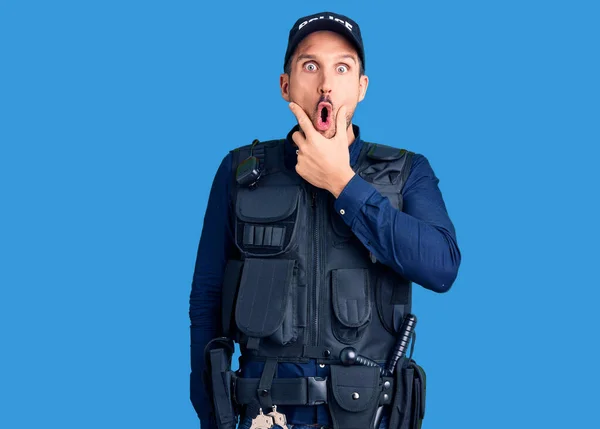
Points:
(324, 119)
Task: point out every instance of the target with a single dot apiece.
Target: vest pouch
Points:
(392, 297)
(350, 296)
(354, 396)
(340, 235)
(408, 409)
(266, 219)
(266, 304)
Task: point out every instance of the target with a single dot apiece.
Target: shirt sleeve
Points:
(418, 242)
(215, 248)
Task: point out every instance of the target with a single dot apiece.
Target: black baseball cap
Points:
(325, 21)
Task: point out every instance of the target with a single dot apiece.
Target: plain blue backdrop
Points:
(114, 116)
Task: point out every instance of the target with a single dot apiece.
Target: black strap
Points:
(253, 343)
(273, 160)
(266, 380)
(382, 152)
(259, 152)
(269, 154)
(292, 353)
(407, 167)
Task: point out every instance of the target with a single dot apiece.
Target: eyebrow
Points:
(305, 57)
(352, 57)
(312, 57)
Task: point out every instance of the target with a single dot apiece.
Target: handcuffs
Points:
(266, 421)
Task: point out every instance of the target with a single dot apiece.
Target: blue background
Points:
(114, 116)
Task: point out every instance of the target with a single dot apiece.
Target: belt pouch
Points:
(221, 389)
(418, 391)
(354, 396)
(408, 409)
(401, 407)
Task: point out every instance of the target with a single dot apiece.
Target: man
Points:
(307, 255)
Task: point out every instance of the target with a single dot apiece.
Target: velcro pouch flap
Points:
(263, 295)
(355, 388)
(351, 299)
(267, 203)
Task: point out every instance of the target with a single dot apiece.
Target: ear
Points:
(363, 83)
(284, 83)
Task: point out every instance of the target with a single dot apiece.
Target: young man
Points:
(309, 249)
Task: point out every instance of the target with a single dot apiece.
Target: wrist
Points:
(341, 181)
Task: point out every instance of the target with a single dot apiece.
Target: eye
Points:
(310, 67)
(342, 69)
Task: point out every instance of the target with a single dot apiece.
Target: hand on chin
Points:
(323, 161)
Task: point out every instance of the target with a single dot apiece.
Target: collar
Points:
(291, 157)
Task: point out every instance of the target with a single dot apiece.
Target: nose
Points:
(324, 89)
(325, 84)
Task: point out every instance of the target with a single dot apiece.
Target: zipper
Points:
(316, 265)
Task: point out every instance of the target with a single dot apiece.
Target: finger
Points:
(303, 120)
(341, 121)
(299, 138)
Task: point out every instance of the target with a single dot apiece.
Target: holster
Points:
(408, 409)
(219, 377)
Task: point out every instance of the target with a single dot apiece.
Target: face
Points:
(325, 74)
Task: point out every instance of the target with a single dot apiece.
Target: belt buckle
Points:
(317, 390)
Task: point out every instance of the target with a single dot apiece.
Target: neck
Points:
(350, 134)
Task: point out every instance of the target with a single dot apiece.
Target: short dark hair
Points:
(288, 67)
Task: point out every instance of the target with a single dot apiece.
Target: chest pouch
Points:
(267, 303)
(266, 219)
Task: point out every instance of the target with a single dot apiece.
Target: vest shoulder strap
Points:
(377, 153)
(269, 153)
(382, 152)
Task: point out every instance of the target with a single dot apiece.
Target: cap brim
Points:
(325, 25)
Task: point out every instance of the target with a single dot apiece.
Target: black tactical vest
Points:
(304, 285)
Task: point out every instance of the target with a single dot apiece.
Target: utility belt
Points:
(356, 394)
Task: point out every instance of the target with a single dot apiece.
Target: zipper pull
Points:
(314, 199)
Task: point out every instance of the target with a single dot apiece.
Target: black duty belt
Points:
(295, 391)
(284, 391)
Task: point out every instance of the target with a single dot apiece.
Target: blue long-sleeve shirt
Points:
(418, 242)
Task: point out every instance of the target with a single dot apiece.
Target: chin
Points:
(328, 133)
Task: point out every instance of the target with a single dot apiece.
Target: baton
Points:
(398, 352)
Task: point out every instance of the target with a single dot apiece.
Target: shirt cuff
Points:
(352, 198)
